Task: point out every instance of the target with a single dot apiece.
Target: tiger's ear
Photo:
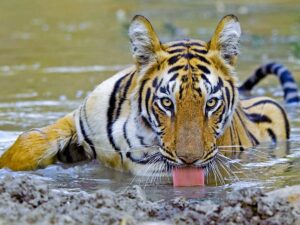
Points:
(226, 38)
(144, 41)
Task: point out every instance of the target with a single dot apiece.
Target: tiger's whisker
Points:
(218, 175)
(149, 164)
(234, 164)
(214, 173)
(219, 172)
(227, 170)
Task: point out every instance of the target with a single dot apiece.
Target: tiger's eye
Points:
(166, 102)
(211, 102)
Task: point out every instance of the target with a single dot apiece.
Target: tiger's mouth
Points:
(188, 174)
(175, 162)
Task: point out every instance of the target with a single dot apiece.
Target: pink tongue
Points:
(188, 177)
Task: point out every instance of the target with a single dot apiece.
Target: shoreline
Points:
(28, 200)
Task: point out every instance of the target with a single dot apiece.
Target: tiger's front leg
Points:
(39, 148)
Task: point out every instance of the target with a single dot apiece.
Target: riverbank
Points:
(27, 200)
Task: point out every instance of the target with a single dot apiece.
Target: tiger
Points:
(176, 106)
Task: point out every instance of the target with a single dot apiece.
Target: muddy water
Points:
(52, 54)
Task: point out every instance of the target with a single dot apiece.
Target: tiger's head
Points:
(186, 93)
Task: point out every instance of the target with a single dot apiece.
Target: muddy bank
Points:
(26, 200)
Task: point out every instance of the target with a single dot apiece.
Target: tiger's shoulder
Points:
(269, 118)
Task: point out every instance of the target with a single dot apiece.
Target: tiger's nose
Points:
(189, 159)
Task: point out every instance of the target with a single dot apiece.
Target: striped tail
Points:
(285, 77)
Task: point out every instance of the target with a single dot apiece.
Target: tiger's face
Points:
(187, 92)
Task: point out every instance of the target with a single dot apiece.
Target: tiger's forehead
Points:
(188, 68)
(187, 57)
(186, 43)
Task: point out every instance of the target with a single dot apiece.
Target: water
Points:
(53, 54)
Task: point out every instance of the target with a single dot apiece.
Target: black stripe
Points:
(205, 78)
(146, 122)
(147, 99)
(181, 89)
(202, 59)
(155, 114)
(175, 68)
(269, 67)
(249, 84)
(156, 104)
(141, 139)
(145, 159)
(123, 97)
(125, 134)
(163, 90)
(154, 82)
(83, 115)
(259, 74)
(173, 87)
(225, 121)
(258, 118)
(287, 91)
(272, 135)
(174, 77)
(199, 91)
(217, 87)
(203, 69)
(252, 138)
(233, 94)
(111, 112)
(87, 140)
(174, 59)
(222, 114)
(260, 103)
(141, 94)
(176, 50)
(286, 76)
(256, 142)
(295, 99)
(227, 94)
(200, 51)
(178, 44)
(169, 89)
(188, 56)
(196, 44)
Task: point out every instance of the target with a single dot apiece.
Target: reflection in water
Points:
(49, 63)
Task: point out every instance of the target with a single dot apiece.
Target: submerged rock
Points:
(27, 200)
